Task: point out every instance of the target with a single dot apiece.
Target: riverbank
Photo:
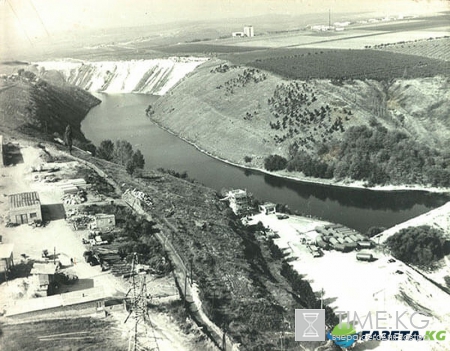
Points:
(296, 176)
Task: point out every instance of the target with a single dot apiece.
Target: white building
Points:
(268, 208)
(248, 31)
(238, 200)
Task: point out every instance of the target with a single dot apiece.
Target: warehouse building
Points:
(25, 208)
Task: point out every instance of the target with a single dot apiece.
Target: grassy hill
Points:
(235, 111)
(36, 106)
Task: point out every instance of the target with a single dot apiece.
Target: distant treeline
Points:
(374, 155)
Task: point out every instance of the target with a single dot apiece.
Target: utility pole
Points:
(185, 289)
(139, 311)
(191, 270)
(224, 341)
(321, 299)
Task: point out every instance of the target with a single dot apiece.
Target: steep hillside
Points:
(32, 105)
(234, 111)
(155, 76)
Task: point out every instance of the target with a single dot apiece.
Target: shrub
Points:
(372, 231)
(275, 163)
(421, 246)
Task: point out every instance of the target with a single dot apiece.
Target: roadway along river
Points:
(122, 116)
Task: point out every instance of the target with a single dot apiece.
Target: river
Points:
(122, 116)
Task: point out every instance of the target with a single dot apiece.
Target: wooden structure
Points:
(24, 207)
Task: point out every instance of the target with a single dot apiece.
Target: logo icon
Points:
(310, 318)
(343, 335)
(309, 325)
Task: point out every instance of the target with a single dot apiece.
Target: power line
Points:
(20, 22)
(40, 19)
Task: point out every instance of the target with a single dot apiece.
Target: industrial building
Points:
(25, 208)
(248, 31)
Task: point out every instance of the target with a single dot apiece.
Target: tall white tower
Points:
(248, 31)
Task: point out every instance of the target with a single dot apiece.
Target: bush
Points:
(247, 159)
(421, 246)
(372, 231)
(447, 280)
(275, 163)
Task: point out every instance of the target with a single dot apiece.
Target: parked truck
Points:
(361, 256)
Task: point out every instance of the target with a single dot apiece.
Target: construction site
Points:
(60, 261)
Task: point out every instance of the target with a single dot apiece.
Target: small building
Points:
(44, 274)
(105, 221)
(268, 208)
(238, 200)
(6, 259)
(25, 207)
(238, 34)
(248, 31)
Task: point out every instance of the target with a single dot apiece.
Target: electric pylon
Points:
(142, 336)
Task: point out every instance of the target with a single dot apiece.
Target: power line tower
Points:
(142, 336)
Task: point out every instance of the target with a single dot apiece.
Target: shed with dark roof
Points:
(25, 207)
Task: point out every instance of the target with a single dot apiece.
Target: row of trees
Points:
(121, 153)
(374, 155)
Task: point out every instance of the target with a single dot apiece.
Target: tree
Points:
(68, 137)
(372, 231)
(106, 150)
(275, 163)
(123, 152)
(421, 246)
(138, 159)
(130, 167)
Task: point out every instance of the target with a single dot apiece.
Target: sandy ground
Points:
(59, 237)
(364, 287)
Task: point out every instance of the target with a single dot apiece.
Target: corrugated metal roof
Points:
(23, 199)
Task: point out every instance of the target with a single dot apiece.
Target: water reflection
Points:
(123, 117)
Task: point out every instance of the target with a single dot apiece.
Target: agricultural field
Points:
(351, 64)
(438, 48)
(206, 48)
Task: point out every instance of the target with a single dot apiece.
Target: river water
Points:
(122, 116)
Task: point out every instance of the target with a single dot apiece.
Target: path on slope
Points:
(186, 287)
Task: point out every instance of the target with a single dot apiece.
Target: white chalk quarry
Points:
(156, 76)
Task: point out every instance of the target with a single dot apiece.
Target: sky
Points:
(33, 19)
